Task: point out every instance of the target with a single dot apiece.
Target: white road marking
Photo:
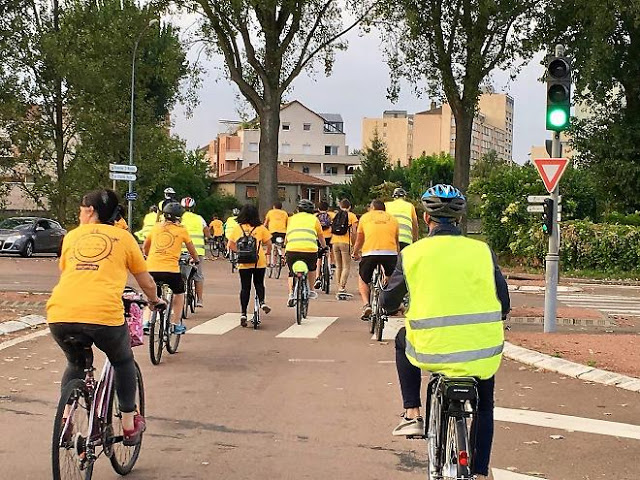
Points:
(391, 328)
(613, 304)
(218, 326)
(311, 360)
(567, 422)
(311, 327)
(25, 338)
(386, 361)
(499, 474)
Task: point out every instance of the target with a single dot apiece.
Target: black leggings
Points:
(113, 341)
(245, 285)
(410, 377)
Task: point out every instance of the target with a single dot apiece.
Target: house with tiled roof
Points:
(292, 186)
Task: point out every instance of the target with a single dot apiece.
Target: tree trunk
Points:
(60, 206)
(269, 134)
(464, 130)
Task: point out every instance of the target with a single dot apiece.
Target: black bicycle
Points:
(378, 315)
(161, 331)
(188, 272)
(233, 258)
(255, 321)
(325, 273)
(453, 406)
(301, 295)
(217, 247)
(276, 258)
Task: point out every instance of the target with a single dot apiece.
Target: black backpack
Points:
(340, 224)
(247, 248)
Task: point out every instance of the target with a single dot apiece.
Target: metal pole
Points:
(552, 260)
(133, 86)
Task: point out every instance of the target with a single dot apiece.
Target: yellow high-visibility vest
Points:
(454, 322)
(229, 226)
(403, 213)
(301, 233)
(193, 224)
(147, 224)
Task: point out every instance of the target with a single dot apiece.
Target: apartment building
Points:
(309, 142)
(433, 131)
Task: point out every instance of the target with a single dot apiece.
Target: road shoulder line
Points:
(570, 369)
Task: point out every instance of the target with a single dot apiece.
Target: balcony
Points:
(333, 178)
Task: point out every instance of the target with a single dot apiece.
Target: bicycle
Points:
(277, 252)
(188, 272)
(378, 315)
(325, 274)
(453, 405)
(300, 290)
(93, 421)
(255, 321)
(161, 332)
(217, 247)
(233, 258)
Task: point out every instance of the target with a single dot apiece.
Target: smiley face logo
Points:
(164, 240)
(93, 247)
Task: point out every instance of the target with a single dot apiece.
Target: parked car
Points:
(29, 235)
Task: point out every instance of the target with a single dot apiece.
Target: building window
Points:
(332, 170)
(285, 148)
(286, 127)
(330, 150)
(306, 127)
(252, 191)
(253, 146)
(305, 169)
(282, 193)
(306, 149)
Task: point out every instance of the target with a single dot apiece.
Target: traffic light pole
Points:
(552, 260)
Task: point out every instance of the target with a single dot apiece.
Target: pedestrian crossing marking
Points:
(499, 474)
(391, 328)
(311, 327)
(218, 326)
(611, 304)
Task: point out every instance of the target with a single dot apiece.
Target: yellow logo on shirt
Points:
(93, 247)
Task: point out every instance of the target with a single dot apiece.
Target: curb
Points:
(570, 369)
(22, 323)
(596, 281)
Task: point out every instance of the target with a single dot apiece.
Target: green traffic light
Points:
(558, 118)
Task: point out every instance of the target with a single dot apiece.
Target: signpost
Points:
(116, 167)
(129, 177)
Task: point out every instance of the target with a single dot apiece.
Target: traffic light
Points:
(558, 93)
(547, 216)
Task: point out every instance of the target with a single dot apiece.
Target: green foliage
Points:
(384, 191)
(488, 163)
(622, 219)
(429, 170)
(374, 170)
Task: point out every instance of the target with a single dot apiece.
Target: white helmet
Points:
(188, 202)
(169, 192)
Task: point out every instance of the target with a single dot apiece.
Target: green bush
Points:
(622, 219)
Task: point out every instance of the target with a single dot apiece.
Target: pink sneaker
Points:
(133, 437)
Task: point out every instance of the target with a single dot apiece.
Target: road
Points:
(241, 403)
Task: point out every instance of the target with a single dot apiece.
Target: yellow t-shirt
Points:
(121, 223)
(380, 231)
(346, 238)
(262, 236)
(216, 228)
(278, 219)
(95, 263)
(166, 245)
(327, 231)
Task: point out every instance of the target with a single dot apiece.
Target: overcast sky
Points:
(357, 89)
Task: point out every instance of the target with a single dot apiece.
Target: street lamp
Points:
(151, 23)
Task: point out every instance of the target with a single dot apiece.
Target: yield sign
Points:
(550, 170)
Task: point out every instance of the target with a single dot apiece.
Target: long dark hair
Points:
(105, 203)
(249, 215)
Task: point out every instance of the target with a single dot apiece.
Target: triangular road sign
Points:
(550, 170)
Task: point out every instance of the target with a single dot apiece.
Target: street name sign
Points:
(551, 170)
(116, 167)
(540, 198)
(129, 177)
(539, 208)
(131, 196)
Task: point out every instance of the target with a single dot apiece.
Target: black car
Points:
(29, 235)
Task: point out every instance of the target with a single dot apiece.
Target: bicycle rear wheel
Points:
(456, 450)
(377, 311)
(256, 313)
(433, 435)
(173, 340)
(124, 458)
(156, 335)
(299, 300)
(280, 264)
(68, 447)
(326, 275)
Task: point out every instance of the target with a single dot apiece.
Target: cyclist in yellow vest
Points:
(304, 233)
(405, 214)
(231, 223)
(198, 231)
(458, 298)
(148, 223)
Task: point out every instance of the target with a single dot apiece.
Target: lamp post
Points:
(152, 22)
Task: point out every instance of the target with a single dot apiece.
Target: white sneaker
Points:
(409, 426)
(313, 294)
(291, 301)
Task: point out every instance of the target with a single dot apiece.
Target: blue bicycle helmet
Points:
(444, 201)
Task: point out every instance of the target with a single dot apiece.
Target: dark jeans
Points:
(113, 341)
(410, 377)
(245, 285)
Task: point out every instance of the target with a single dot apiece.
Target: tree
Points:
(454, 46)
(374, 170)
(604, 45)
(429, 170)
(487, 164)
(266, 45)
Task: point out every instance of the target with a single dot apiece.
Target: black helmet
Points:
(153, 209)
(173, 211)
(305, 205)
(444, 201)
(399, 192)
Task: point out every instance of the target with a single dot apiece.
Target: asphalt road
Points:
(246, 404)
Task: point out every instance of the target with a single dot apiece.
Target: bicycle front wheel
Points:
(456, 450)
(299, 300)
(124, 458)
(173, 339)
(156, 335)
(326, 276)
(70, 429)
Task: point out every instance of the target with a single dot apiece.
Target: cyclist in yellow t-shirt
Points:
(163, 247)
(276, 221)
(249, 223)
(86, 304)
(376, 244)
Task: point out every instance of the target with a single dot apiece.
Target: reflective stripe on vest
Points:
(454, 322)
(402, 211)
(301, 233)
(193, 224)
